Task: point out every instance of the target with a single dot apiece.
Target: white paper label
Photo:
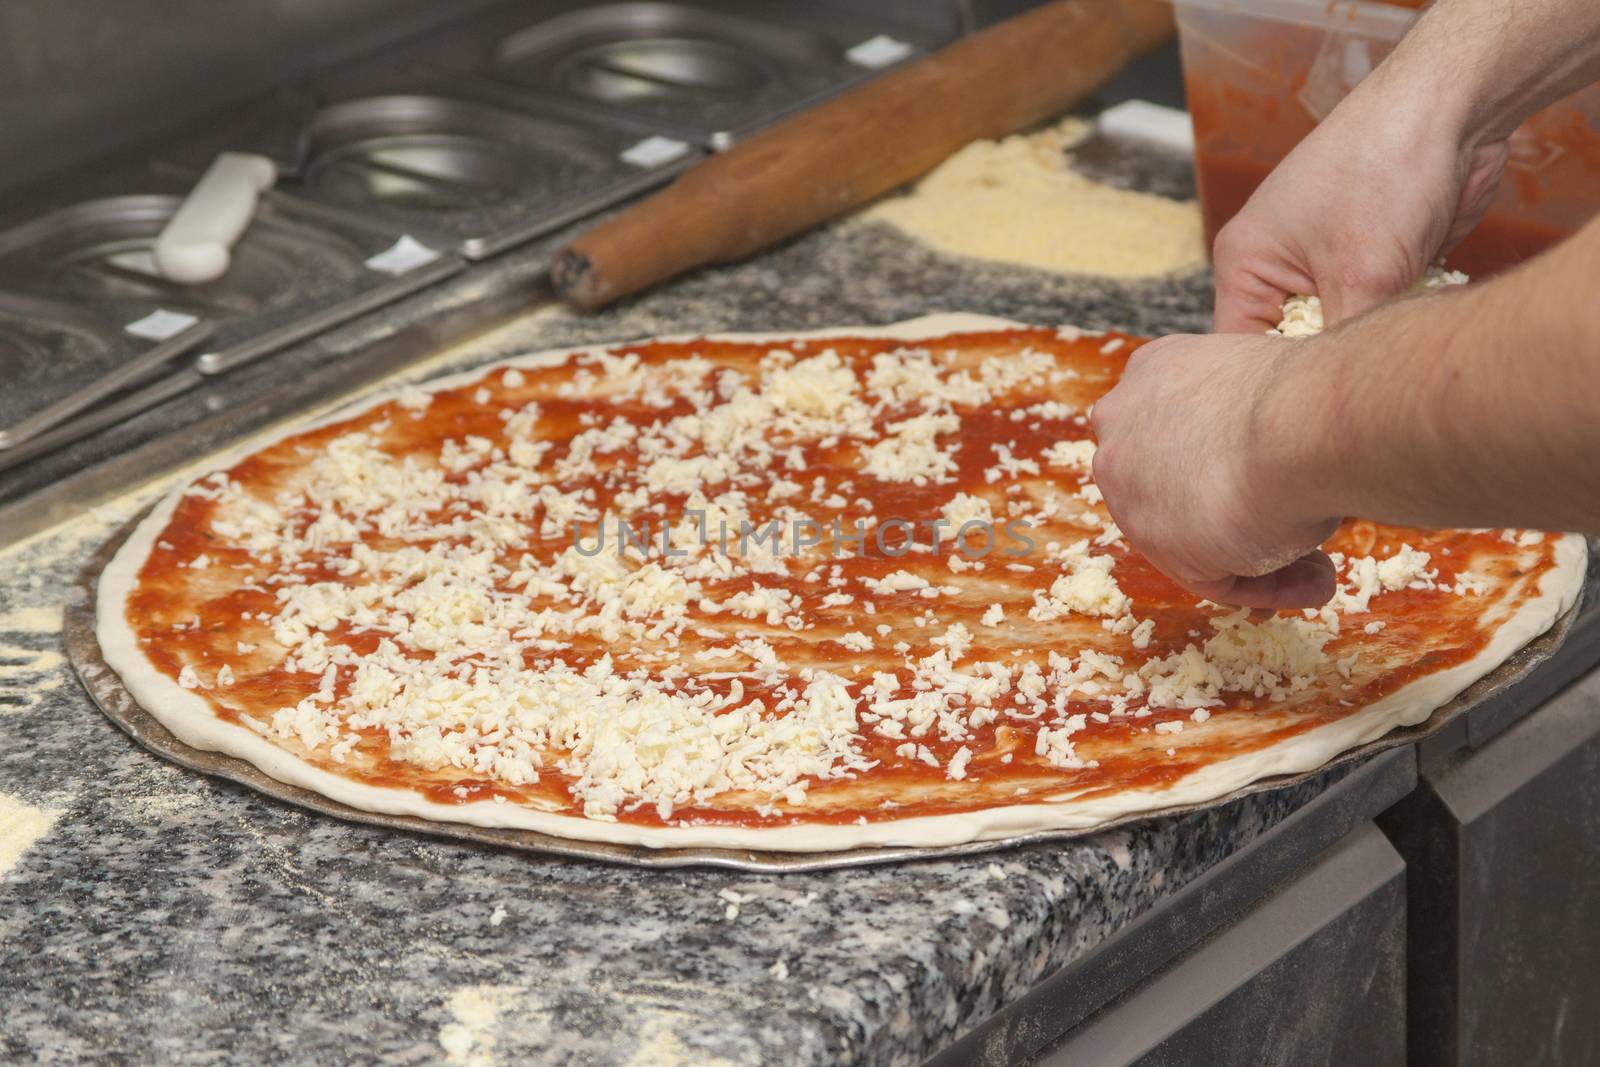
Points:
(879, 51)
(161, 324)
(1142, 122)
(654, 151)
(408, 253)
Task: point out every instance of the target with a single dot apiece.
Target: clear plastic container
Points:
(1261, 73)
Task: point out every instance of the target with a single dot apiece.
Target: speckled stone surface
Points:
(168, 918)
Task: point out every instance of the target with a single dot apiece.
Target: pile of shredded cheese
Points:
(1302, 315)
(1019, 201)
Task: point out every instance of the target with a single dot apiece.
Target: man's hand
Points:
(1407, 164)
(1355, 214)
(1189, 478)
(1227, 459)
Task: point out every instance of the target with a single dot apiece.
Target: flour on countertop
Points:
(471, 1039)
(167, 805)
(1017, 200)
(31, 620)
(26, 674)
(661, 1046)
(21, 826)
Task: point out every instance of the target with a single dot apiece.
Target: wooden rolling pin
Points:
(840, 155)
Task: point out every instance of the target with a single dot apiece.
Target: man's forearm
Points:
(1483, 66)
(1472, 408)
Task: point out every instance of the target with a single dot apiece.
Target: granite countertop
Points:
(150, 915)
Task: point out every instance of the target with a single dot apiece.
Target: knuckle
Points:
(1231, 243)
(1141, 358)
(1364, 279)
(1101, 415)
(1104, 419)
(1115, 475)
(1149, 355)
(1163, 346)
(1103, 467)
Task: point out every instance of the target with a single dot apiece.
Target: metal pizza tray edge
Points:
(105, 688)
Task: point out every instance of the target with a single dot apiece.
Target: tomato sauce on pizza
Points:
(834, 582)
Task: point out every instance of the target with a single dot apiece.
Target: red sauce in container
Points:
(1500, 241)
(1257, 85)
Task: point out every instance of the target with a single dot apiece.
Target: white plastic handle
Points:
(196, 244)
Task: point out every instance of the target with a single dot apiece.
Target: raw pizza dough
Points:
(1057, 689)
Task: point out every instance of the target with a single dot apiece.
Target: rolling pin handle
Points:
(573, 277)
(837, 156)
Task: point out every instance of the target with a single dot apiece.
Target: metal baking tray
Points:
(58, 357)
(129, 403)
(108, 693)
(710, 70)
(456, 164)
(293, 274)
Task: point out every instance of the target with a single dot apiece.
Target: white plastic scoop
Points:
(196, 245)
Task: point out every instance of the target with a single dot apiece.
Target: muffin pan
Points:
(706, 70)
(52, 354)
(85, 314)
(457, 165)
(393, 172)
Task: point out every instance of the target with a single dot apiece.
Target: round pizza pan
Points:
(109, 694)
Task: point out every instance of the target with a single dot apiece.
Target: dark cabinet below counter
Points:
(1464, 933)
(1313, 974)
(1502, 844)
